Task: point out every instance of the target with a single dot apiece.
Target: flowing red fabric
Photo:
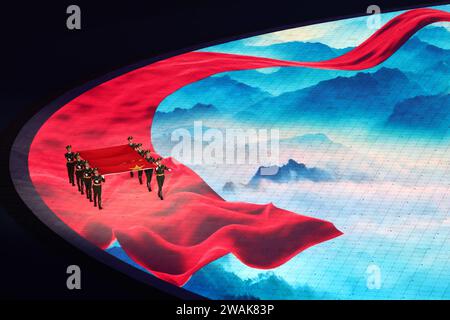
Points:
(193, 225)
(115, 159)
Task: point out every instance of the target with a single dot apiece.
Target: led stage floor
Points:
(363, 165)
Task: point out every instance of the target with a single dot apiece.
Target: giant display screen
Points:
(306, 163)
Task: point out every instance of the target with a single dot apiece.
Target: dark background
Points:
(42, 59)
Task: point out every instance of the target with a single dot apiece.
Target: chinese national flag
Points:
(116, 159)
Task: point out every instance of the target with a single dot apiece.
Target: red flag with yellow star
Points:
(115, 159)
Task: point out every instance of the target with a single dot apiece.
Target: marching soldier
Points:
(132, 145)
(87, 179)
(159, 170)
(70, 163)
(140, 150)
(141, 153)
(79, 167)
(97, 181)
(130, 142)
(149, 171)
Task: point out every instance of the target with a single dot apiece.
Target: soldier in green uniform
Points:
(70, 163)
(79, 167)
(87, 179)
(159, 170)
(132, 145)
(97, 181)
(149, 171)
(139, 149)
(130, 142)
(141, 153)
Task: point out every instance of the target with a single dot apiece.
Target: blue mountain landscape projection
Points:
(294, 50)
(414, 50)
(229, 187)
(346, 164)
(431, 46)
(435, 35)
(434, 78)
(217, 283)
(338, 99)
(198, 112)
(223, 92)
(290, 172)
(349, 153)
(237, 90)
(282, 80)
(423, 114)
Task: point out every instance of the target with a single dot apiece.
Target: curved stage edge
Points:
(214, 63)
(21, 178)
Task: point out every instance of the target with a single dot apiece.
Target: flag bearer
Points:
(149, 171)
(141, 153)
(159, 170)
(97, 181)
(132, 145)
(79, 167)
(70, 163)
(87, 180)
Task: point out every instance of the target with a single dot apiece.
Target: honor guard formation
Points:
(89, 180)
(159, 167)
